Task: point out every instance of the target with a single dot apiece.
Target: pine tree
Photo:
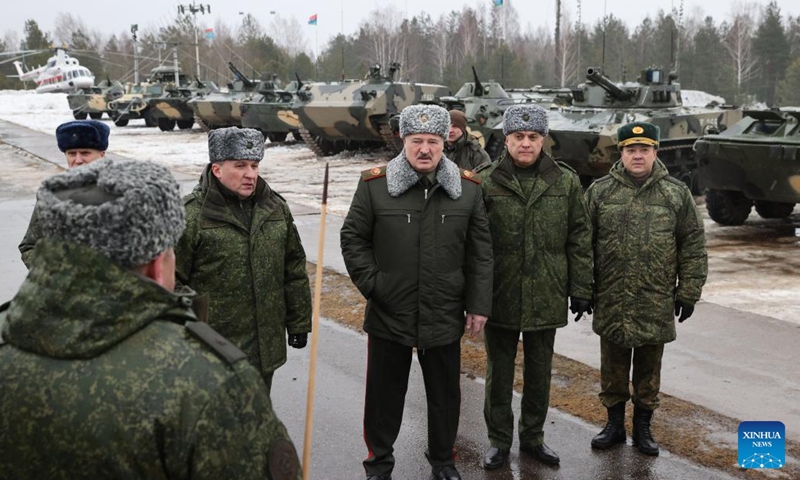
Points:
(771, 47)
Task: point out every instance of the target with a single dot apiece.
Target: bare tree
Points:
(385, 41)
(738, 43)
(287, 34)
(566, 51)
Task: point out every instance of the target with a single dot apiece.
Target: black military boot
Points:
(642, 438)
(614, 431)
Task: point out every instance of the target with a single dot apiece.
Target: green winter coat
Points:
(649, 248)
(105, 374)
(467, 153)
(542, 245)
(32, 235)
(255, 277)
(421, 257)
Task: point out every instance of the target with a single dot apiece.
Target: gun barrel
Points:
(240, 75)
(595, 74)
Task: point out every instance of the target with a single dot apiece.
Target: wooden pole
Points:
(312, 367)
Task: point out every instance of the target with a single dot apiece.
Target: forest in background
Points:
(749, 55)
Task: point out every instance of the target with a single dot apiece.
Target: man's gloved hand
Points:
(580, 306)
(685, 310)
(298, 340)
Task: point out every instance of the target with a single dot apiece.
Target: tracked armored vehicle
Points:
(134, 103)
(271, 111)
(584, 135)
(222, 109)
(171, 109)
(484, 103)
(755, 162)
(357, 114)
(92, 102)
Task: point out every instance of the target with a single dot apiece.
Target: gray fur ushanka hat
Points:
(130, 211)
(424, 119)
(525, 118)
(235, 143)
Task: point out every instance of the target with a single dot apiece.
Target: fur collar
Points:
(400, 176)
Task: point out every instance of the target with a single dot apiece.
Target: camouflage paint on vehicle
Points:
(355, 114)
(171, 109)
(754, 162)
(271, 112)
(585, 135)
(222, 109)
(134, 103)
(93, 102)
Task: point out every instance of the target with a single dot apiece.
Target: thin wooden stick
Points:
(312, 367)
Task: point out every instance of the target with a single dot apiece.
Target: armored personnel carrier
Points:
(584, 135)
(134, 102)
(484, 103)
(271, 112)
(171, 108)
(355, 114)
(754, 162)
(222, 109)
(92, 102)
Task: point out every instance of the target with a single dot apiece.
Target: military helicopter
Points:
(61, 73)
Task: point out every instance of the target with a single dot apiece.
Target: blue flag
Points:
(498, 3)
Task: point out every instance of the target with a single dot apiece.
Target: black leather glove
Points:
(580, 306)
(685, 310)
(298, 340)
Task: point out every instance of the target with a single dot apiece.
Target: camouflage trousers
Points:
(615, 374)
(501, 352)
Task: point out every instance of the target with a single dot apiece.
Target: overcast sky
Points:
(114, 16)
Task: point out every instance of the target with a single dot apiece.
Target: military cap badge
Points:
(637, 130)
(423, 118)
(526, 117)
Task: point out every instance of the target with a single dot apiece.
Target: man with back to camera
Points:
(104, 371)
(83, 142)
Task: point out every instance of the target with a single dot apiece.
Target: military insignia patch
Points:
(283, 462)
(249, 145)
(375, 171)
(637, 130)
(423, 118)
(468, 173)
(526, 117)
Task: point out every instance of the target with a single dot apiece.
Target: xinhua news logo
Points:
(762, 445)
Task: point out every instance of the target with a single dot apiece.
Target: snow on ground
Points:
(752, 268)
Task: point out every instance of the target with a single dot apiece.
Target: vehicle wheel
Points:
(121, 121)
(774, 209)
(277, 136)
(149, 121)
(728, 207)
(185, 124)
(113, 115)
(96, 115)
(78, 115)
(166, 124)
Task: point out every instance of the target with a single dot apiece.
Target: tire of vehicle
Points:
(774, 209)
(78, 115)
(166, 124)
(96, 115)
(121, 121)
(728, 207)
(186, 124)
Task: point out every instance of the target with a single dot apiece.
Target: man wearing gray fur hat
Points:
(416, 243)
(83, 142)
(242, 250)
(104, 370)
(542, 243)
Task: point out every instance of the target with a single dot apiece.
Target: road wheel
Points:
(96, 115)
(121, 120)
(78, 115)
(149, 121)
(774, 209)
(277, 136)
(166, 124)
(728, 207)
(186, 124)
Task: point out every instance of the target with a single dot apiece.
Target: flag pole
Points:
(312, 368)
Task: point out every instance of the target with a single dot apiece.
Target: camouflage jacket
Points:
(33, 234)
(646, 240)
(105, 374)
(420, 257)
(467, 153)
(255, 277)
(542, 245)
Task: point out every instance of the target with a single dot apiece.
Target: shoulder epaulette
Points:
(188, 199)
(562, 164)
(676, 181)
(222, 347)
(604, 178)
(373, 173)
(471, 176)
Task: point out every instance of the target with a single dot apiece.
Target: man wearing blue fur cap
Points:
(82, 141)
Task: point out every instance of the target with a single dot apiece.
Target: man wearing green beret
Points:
(650, 264)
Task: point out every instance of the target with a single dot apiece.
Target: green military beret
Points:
(638, 132)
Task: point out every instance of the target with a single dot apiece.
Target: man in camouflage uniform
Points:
(650, 262)
(416, 243)
(542, 254)
(461, 147)
(104, 371)
(242, 249)
(82, 141)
